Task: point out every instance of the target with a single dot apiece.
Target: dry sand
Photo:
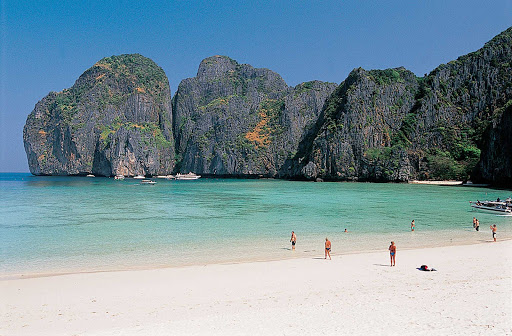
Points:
(443, 183)
(357, 294)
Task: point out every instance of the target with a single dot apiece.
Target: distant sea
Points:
(82, 224)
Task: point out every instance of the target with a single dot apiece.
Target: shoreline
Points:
(305, 296)
(262, 177)
(434, 182)
(149, 267)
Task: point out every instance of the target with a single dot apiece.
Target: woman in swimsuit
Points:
(392, 253)
(327, 248)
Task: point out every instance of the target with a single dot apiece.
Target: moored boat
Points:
(119, 177)
(189, 176)
(139, 177)
(498, 206)
(90, 175)
(147, 182)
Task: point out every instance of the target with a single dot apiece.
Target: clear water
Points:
(73, 224)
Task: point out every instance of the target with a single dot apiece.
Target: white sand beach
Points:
(443, 183)
(355, 294)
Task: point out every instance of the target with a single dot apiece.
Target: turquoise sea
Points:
(81, 224)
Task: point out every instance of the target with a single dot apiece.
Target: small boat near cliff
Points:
(147, 182)
(139, 177)
(189, 176)
(119, 177)
(497, 207)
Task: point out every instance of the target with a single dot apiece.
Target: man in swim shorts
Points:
(493, 229)
(293, 239)
(392, 253)
(412, 225)
(477, 225)
(327, 248)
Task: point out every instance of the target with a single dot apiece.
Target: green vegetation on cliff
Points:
(121, 103)
(233, 119)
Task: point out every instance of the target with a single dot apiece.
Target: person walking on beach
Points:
(474, 222)
(327, 248)
(477, 225)
(493, 229)
(392, 252)
(412, 225)
(293, 239)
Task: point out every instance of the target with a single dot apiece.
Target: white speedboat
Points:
(90, 175)
(139, 177)
(498, 207)
(147, 182)
(189, 176)
(119, 177)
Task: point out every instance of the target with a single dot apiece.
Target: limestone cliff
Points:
(351, 137)
(233, 119)
(387, 125)
(236, 120)
(495, 165)
(115, 119)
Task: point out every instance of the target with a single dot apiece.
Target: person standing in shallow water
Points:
(293, 239)
(327, 248)
(474, 222)
(392, 253)
(412, 225)
(477, 225)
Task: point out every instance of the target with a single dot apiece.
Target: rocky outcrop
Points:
(115, 119)
(233, 119)
(236, 120)
(387, 125)
(458, 102)
(350, 140)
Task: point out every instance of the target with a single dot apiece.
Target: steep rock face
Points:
(115, 119)
(389, 126)
(458, 102)
(233, 119)
(351, 137)
(496, 162)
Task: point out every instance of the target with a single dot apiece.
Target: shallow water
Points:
(71, 224)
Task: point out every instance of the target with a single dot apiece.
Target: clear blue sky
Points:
(46, 45)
